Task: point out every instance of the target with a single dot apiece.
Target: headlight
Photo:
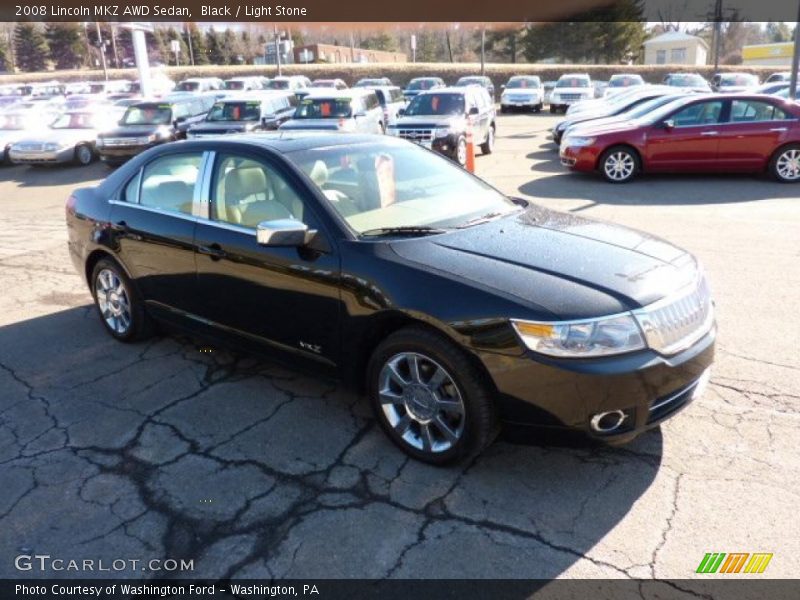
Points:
(579, 142)
(585, 338)
(51, 147)
(441, 132)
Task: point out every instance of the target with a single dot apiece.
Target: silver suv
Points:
(440, 119)
(353, 110)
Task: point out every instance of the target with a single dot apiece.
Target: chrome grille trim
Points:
(29, 147)
(416, 135)
(677, 322)
(125, 141)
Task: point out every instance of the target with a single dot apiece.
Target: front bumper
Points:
(645, 386)
(583, 158)
(121, 153)
(41, 158)
(520, 102)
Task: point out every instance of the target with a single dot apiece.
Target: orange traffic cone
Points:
(470, 163)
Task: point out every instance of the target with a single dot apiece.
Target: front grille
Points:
(570, 97)
(125, 141)
(416, 135)
(674, 324)
(520, 98)
(29, 147)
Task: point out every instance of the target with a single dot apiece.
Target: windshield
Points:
(188, 86)
(522, 83)
(277, 84)
(369, 82)
(323, 108)
(160, 114)
(686, 80)
(469, 81)
(421, 84)
(625, 80)
(16, 121)
(235, 111)
(572, 82)
(397, 184)
(738, 79)
(436, 104)
(75, 121)
(234, 85)
(323, 83)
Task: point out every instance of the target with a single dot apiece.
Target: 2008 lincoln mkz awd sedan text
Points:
(455, 307)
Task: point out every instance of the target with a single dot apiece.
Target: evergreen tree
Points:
(778, 31)
(67, 47)
(216, 54)
(30, 47)
(198, 45)
(183, 56)
(231, 48)
(5, 62)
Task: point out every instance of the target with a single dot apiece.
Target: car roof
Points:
(291, 141)
(331, 93)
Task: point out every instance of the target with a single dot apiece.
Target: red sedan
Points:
(708, 133)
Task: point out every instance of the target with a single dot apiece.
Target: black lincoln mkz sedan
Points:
(455, 307)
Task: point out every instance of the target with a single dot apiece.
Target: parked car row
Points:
(658, 130)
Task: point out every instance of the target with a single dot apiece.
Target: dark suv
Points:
(480, 80)
(439, 120)
(147, 124)
(257, 111)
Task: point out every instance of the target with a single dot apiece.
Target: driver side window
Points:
(247, 191)
(700, 113)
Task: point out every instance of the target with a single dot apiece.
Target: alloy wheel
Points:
(461, 151)
(421, 402)
(113, 301)
(619, 165)
(84, 155)
(788, 165)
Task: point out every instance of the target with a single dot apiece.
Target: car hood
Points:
(331, 124)
(61, 136)
(571, 266)
(221, 126)
(131, 131)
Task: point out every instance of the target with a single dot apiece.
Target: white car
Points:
(570, 88)
(14, 125)
(71, 138)
(522, 91)
(620, 82)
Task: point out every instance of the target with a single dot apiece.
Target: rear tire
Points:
(119, 305)
(83, 155)
(784, 165)
(429, 397)
(619, 164)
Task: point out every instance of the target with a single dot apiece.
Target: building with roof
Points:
(675, 48)
(329, 53)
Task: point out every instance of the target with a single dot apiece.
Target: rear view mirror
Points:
(283, 232)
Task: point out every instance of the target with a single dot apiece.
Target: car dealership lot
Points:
(176, 449)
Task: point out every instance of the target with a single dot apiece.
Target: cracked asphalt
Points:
(174, 449)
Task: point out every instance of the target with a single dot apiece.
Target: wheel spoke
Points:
(437, 379)
(388, 397)
(402, 425)
(427, 438)
(413, 367)
(451, 435)
(451, 406)
(394, 374)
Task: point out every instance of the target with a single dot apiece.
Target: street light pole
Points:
(277, 50)
(102, 49)
(795, 58)
(483, 50)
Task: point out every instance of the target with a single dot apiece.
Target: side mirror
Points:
(669, 124)
(473, 111)
(283, 232)
(401, 112)
(178, 121)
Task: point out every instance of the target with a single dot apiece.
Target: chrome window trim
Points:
(159, 211)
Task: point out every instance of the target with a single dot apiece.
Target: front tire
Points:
(429, 398)
(83, 155)
(460, 154)
(785, 164)
(619, 164)
(118, 303)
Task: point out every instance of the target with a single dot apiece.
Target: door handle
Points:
(709, 133)
(778, 129)
(214, 251)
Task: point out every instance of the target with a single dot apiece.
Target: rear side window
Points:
(748, 111)
(396, 95)
(168, 182)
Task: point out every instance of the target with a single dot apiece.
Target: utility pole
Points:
(189, 43)
(449, 48)
(114, 45)
(483, 50)
(717, 33)
(277, 49)
(795, 58)
(102, 49)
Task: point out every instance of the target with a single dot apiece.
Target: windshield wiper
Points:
(403, 230)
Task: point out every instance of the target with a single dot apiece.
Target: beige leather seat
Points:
(248, 198)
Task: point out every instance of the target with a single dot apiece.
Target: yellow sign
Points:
(783, 50)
